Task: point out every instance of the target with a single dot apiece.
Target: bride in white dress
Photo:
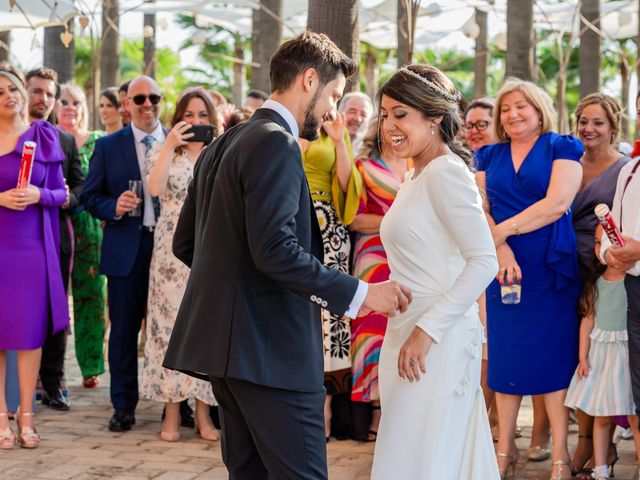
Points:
(434, 423)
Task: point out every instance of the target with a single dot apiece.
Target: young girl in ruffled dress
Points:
(601, 385)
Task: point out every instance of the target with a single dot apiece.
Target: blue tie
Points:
(148, 143)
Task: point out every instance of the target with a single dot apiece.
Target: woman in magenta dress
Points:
(382, 174)
(32, 298)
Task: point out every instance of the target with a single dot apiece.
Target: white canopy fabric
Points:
(35, 13)
(436, 19)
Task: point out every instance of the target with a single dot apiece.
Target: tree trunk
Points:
(481, 60)
(150, 45)
(265, 39)
(110, 48)
(5, 45)
(405, 49)
(589, 51)
(239, 73)
(339, 21)
(370, 73)
(519, 35)
(625, 75)
(56, 55)
(561, 106)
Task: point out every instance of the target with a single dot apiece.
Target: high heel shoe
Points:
(211, 435)
(556, 470)
(7, 437)
(613, 462)
(513, 462)
(27, 436)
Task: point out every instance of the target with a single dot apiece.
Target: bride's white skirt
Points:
(436, 428)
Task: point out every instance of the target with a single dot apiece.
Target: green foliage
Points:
(169, 73)
(215, 51)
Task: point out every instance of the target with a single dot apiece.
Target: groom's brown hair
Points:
(308, 50)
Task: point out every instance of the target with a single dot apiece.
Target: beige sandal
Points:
(27, 436)
(7, 437)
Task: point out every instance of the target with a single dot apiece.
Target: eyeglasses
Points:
(480, 125)
(140, 99)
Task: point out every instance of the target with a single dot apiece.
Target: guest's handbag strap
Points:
(626, 184)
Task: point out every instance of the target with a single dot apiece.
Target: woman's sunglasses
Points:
(140, 99)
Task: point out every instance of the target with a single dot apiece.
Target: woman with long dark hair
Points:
(170, 170)
(438, 243)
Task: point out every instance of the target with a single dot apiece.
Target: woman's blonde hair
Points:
(611, 108)
(78, 95)
(536, 96)
(14, 75)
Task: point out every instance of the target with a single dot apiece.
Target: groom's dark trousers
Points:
(250, 316)
(271, 431)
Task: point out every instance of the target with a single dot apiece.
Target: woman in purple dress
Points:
(32, 298)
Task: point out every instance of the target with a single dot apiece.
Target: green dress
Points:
(89, 287)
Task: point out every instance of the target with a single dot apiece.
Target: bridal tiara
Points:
(455, 97)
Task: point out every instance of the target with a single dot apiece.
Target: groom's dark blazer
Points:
(251, 310)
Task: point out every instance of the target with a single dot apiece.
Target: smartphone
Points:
(202, 133)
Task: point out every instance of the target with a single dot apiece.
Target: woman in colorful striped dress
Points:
(601, 386)
(382, 175)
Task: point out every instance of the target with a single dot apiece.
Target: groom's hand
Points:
(386, 298)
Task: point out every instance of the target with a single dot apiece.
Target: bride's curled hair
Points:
(430, 91)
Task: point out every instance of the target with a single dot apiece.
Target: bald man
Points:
(128, 237)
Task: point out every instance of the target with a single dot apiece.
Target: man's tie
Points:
(148, 141)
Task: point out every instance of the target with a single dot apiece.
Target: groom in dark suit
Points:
(250, 316)
(128, 240)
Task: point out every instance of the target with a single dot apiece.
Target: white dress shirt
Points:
(363, 287)
(148, 218)
(630, 222)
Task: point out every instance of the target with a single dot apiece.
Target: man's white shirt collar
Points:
(157, 134)
(284, 113)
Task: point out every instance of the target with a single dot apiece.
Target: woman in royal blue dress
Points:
(530, 179)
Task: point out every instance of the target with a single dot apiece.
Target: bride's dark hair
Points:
(435, 96)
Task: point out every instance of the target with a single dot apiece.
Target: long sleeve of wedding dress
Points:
(456, 201)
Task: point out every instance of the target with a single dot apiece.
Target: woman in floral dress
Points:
(170, 170)
(335, 186)
(382, 174)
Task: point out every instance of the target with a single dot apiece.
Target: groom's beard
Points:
(311, 125)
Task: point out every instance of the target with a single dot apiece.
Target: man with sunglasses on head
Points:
(128, 239)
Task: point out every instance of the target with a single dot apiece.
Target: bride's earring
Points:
(433, 129)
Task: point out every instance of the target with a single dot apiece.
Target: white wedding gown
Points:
(439, 245)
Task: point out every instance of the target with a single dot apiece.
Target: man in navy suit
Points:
(128, 239)
(250, 315)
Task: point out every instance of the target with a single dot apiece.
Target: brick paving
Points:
(76, 445)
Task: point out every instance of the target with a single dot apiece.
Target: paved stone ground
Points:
(77, 445)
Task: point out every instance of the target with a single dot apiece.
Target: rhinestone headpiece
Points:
(455, 97)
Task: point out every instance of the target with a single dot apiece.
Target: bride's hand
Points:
(411, 360)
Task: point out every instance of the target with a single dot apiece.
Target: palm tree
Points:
(589, 52)
(265, 39)
(109, 47)
(519, 36)
(149, 44)
(481, 60)
(5, 45)
(406, 27)
(57, 55)
(338, 20)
